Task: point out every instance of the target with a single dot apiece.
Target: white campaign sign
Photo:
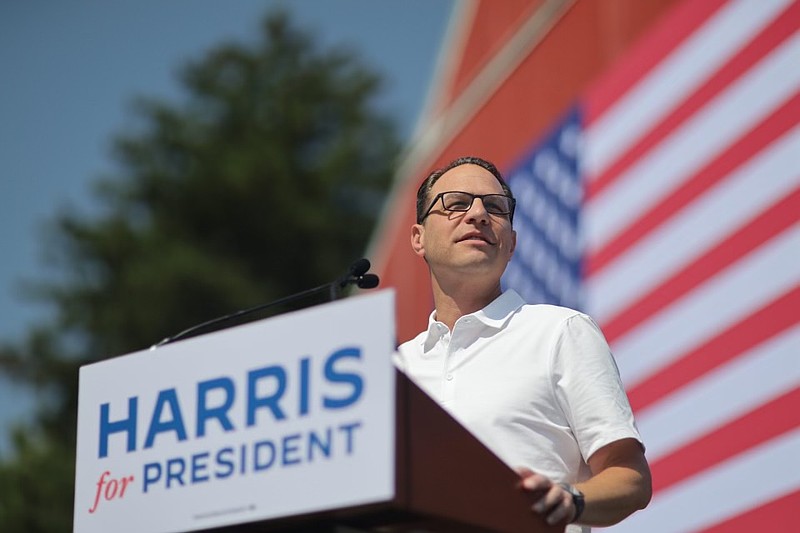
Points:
(286, 416)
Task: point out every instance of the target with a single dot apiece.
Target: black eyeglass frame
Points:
(440, 196)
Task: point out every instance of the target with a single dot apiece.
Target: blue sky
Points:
(71, 69)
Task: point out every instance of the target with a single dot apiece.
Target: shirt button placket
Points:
(449, 381)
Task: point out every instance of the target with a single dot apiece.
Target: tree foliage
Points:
(266, 180)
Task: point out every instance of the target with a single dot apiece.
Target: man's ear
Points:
(418, 239)
(513, 242)
(512, 246)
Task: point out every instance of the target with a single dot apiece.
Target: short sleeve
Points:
(588, 387)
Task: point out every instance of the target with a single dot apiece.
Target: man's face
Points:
(471, 242)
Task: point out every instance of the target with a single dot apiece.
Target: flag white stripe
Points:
(752, 188)
(677, 76)
(744, 482)
(756, 377)
(748, 284)
(708, 133)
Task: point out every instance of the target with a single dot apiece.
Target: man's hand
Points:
(551, 500)
(620, 484)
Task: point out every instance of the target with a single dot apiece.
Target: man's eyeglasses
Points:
(495, 204)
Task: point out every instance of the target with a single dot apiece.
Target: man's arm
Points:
(620, 484)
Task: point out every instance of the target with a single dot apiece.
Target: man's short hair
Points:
(424, 190)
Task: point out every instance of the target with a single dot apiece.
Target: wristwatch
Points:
(577, 500)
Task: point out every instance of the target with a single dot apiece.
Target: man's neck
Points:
(454, 300)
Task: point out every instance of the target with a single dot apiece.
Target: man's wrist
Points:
(578, 500)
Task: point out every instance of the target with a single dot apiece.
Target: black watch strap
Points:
(577, 500)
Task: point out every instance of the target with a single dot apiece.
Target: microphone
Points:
(359, 267)
(354, 274)
(357, 275)
(368, 281)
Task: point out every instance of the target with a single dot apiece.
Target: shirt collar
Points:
(497, 313)
(493, 315)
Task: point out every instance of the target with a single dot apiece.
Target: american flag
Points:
(666, 205)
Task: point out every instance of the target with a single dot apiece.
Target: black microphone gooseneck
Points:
(357, 275)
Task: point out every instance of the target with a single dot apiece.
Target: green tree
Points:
(267, 180)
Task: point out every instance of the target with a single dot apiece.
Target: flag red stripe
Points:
(776, 124)
(754, 329)
(752, 234)
(765, 422)
(651, 50)
(777, 515)
(771, 37)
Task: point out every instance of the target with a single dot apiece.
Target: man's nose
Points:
(477, 212)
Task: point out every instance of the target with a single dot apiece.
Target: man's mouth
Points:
(475, 237)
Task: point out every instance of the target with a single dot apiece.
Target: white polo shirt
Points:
(537, 384)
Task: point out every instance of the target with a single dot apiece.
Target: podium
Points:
(447, 481)
(265, 428)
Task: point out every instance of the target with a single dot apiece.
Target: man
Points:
(536, 383)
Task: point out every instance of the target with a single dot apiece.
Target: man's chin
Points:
(480, 263)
